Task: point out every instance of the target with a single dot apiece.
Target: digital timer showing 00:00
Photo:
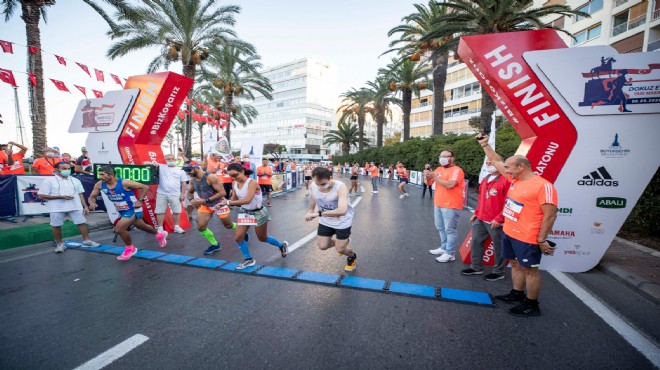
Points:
(146, 174)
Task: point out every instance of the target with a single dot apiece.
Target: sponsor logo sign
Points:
(562, 234)
(611, 202)
(565, 211)
(599, 177)
(597, 229)
(615, 150)
(103, 114)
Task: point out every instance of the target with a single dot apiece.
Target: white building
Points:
(302, 110)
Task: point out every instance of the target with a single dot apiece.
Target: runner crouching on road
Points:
(329, 202)
(120, 192)
(252, 213)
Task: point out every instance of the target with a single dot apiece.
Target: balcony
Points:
(462, 112)
(654, 45)
(633, 23)
(619, 2)
(655, 15)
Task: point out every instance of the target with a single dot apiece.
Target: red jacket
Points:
(492, 196)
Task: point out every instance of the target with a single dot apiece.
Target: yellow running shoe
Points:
(351, 263)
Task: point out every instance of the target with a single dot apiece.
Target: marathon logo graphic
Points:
(612, 86)
(611, 202)
(600, 177)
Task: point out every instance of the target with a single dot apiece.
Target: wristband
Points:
(483, 146)
(208, 200)
(543, 241)
(320, 213)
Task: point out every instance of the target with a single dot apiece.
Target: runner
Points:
(120, 192)
(210, 192)
(355, 170)
(265, 174)
(329, 202)
(403, 180)
(252, 213)
(373, 172)
(308, 177)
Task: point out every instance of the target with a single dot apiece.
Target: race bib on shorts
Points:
(246, 219)
(121, 206)
(512, 209)
(221, 210)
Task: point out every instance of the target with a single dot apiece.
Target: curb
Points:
(647, 289)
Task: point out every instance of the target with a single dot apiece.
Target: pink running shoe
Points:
(129, 251)
(162, 238)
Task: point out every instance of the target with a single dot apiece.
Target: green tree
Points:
(396, 138)
(479, 17)
(355, 103)
(346, 135)
(381, 102)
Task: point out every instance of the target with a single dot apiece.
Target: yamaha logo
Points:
(600, 177)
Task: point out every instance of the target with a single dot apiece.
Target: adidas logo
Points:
(600, 177)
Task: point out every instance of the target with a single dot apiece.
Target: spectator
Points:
(16, 168)
(6, 158)
(84, 163)
(249, 166)
(287, 169)
(171, 191)
(181, 159)
(45, 165)
(212, 163)
(66, 157)
(65, 198)
(428, 181)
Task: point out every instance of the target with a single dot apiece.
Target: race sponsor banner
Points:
(253, 147)
(294, 180)
(104, 114)
(553, 97)
(28, 187)
(413, 177)
(289, 181)
(465, 251)
(8, 196)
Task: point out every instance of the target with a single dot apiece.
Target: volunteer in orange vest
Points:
(373, 171)
(448, 202)
(530, 211)
(265, 181)
(45, 165)
(16, 168)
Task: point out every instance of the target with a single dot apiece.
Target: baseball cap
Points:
(189, 166)
(84, 149)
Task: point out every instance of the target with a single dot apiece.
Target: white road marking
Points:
(361, 189)
(114, 353)
(646, 347)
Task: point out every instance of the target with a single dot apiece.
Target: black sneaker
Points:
(525, 310)
(284, 250)
(511, 297)
(493, 277)
(212, 249)
(471, 271)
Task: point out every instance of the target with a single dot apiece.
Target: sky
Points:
(349, 34)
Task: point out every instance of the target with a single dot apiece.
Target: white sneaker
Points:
(179, 230)
(401, 196)
(89, 244)
(307, 194)
(437, 252)
(375, 192)
(60, 248)
(446, 258)
(406, 195)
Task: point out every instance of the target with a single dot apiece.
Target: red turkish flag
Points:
(7, 76)
(60, 85)
(33, 49)
(99, 75)
(97, 93)
(61, 60)
(82, 90)
(116, 79)
(84, 68)
(33, 79)
(7, 47)
(187, 101)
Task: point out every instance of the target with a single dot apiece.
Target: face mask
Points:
(50, 154)
(65, 173)
(170, 164)
(443, 161)
(491, 170)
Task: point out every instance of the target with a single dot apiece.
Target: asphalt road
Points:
(60, 311)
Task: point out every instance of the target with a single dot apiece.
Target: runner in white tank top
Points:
(308, 177)
(247, 194)
(329, 202)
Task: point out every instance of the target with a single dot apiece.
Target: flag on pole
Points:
(33, 79)
(7, 47)
(82, 90)
(97, 93)
(8, 77)
(61, 60)
(491, 142)
(33, 49)
(84, 68)
(99, 75)
(60, 85)
(116, 79)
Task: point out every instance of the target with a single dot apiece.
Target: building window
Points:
(590, 8)
(586, 35)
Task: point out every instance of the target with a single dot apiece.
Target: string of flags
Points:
(7, 76)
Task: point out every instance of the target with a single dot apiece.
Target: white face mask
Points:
(443, 161)
(50, 154)
(170, 164)
(491, 170)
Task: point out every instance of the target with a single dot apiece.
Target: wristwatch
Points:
(208, 200)
(320, 213)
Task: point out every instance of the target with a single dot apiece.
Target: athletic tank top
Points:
(242, 194)
(204, 190)
(122, 199)
(330, 201)
(308, 172)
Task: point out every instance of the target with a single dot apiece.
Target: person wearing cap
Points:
(83, 163)
(45, 165)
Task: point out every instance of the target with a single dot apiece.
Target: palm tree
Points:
(183, 30)
(235, 74)
(417, 26)
(409, 78)
(381, 100)
(355, 103)
(346, 135)
(478, 17)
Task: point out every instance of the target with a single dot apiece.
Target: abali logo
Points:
(600, 177)
(611, 202)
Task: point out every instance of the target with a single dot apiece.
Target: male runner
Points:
(265, 174)
(308, 177)
(121, 193)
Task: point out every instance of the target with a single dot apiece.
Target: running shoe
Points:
(162, 239)
(510, 297)
(493, 277)
(307, 194)
(179, 230)
(269, 205)
(401, 196)
(212, 249)
(60, 248)
(351, 263)
(375, 192)
(245, 264)
(406, 195)
(446, 258)
(284, 249)
(525, 310)
(470, 271)
(438, 252)
(128, 253)
(89, 244)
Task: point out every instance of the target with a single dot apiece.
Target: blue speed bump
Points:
(362, 283)
(277, 272)
(100, 248)
(465, 296)
(206, 263)
(148, 254)
(231, 266)
(318, 277)
(73, 244)
(115, 250)
(175, 258)
(412, 289)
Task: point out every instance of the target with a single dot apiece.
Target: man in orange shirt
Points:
(448, 202)
(46, 164)
(264, 175)
(530, 211)
(6, 159)
(373, 172)
(212, 163)
(224, 177)
(16, 168)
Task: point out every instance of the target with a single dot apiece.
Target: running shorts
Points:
(308, 178)
(207, 209)
(261, 214)
(342, 234)
(403, 179)
(354, 178)
(266, 189)
(528, 255)
(129, 213)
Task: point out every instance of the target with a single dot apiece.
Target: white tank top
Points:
(242, 194)
(330, 201)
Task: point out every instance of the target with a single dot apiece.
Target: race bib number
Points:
(512, 209)
(264, 177)
(221, 210)
(121, 206)
(246, 219)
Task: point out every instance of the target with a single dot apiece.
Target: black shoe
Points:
(470, 271)
(212, 249)
(493, 277)
(284, 250)
(511, 297)
(525, 310)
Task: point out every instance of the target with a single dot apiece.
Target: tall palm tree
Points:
(478, 17)
(182, 30)
(234, 74)
(409, 78)
(381, 101)
(355, 103)
(417, 26)
(346, 135)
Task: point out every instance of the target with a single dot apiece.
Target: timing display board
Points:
(144, 174)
